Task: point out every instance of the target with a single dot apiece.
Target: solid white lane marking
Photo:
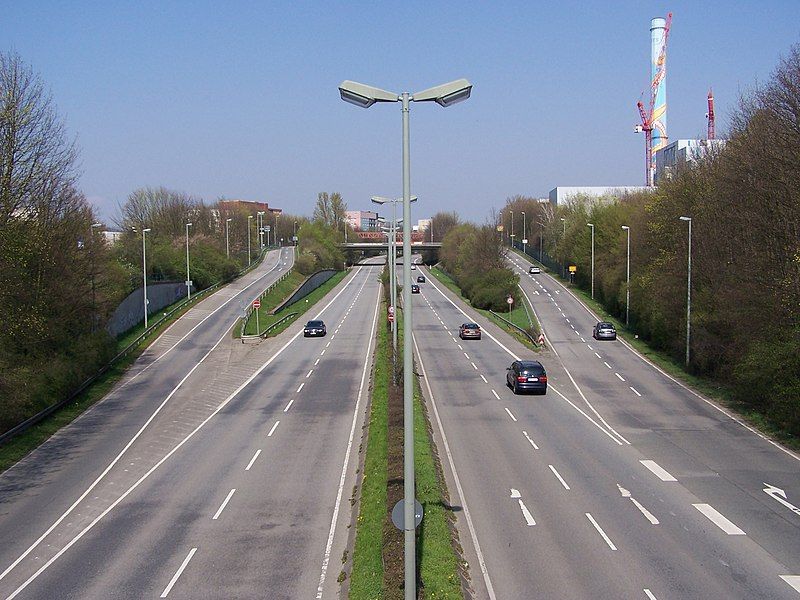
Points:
(274, 427)
(301, 387)
(561, 479)
(252, 460)
(619, 376)
(288, 406)
(484, 379)
(792, 580)
(527, 437)
(648, 515)
(650, 595)
(327, 556)
(316, 362)
(223, 505)
(309, 373)
(495, 395)
(635, 391)
(526, 513)
(716, 517)
(174, 579)
(601, 532)
(474, 366)
(513, 418)
(658, 470)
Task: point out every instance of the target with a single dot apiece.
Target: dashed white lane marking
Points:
(583, 340)
(484, 379)
(513, 418)
(561, 479)
(495, 395)
(600, 531)
(322, 353)
(619, 376)
(328, 344)
(459, 347)
(252, 460)
(301, 387)
(174, 579)
(288, 406)
(589, 347)
(633, 389)
(467, 355)
(598, 356)
(333, 336)
(716, 517)
(571, 325)
(792, 580)
(658, 470)
(223, 505)
(316, 362)
(649, 594)
(606, 364)
(567, 320)
(474, 366)
(527, 437)
(309, 373)
(578, 333)
(274, 427)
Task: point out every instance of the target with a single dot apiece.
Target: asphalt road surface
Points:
(619, 483)
(214, 470)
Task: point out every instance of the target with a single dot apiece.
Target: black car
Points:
(414, 289)
(421, 279)
(315, 329)
(527, 376)
(604, 331)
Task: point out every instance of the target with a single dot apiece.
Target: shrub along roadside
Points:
(377, 569)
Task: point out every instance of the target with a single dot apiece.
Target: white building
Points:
(681, 152)
(562, 194)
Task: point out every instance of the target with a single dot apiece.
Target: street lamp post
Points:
(365, 96)
(294, 233)
(564, 250)
(541, 240)
(524, 234)
(628, 279)
(188, 279)
(144, 274)
(260, 215)
(512, 228)
(249, 256)
(688, 291)
(592, 226)
(227, 237)
(91, 251)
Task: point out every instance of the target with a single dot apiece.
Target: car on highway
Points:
(414, 289)
(534, 270)
(527, 376)
(421, 279)
(469, 331)
(315, 329)
(604, 330)
(413, 267)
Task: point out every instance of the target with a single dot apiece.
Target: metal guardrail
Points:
(517, 327)
(264, 334)
(30, 421)
(250, 310)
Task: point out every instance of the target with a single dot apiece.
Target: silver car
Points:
(604, 330)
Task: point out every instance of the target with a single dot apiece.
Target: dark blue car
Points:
(527, 376)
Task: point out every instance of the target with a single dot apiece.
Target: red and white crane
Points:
(710, 116)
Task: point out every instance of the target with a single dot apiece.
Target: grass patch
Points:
(518, 314)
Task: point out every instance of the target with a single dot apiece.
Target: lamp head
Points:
(626, 228)
(446, 94)
(364, 95)
(685, 218)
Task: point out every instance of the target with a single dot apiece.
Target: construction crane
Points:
(710, 115)
(647, 116)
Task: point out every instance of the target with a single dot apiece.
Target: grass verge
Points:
(518, 316)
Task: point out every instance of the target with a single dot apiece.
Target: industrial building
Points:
(680, 153)
(562, 194)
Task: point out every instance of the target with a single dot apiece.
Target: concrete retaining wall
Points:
(130, 311)
(309, 285)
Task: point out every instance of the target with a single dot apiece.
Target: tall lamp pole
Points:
(91, 250)
(294, 233)
(260, 215)
(144, 274)
(592, 226)
(688, 291)
(227, 237)
(188, 279)
(541, 240)
(365, 96)
(249, 256)
(524, 234)
(628, 279)
(564, 249)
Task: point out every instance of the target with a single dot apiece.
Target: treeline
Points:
(475, 258)
(744, 202)
(320, 238)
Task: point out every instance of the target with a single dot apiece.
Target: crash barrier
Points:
(264, 334)
(248, 312)
(517, 327)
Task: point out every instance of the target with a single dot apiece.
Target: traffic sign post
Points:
(510, 301)
(257, 306)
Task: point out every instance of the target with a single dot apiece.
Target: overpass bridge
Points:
(382, 246)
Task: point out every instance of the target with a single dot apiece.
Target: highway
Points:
(619, 483)
(213, 470)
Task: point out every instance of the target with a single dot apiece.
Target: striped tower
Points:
(658, 71)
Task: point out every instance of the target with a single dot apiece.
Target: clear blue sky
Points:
(239, 99)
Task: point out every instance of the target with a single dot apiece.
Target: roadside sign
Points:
(573, 269)
(510, 300)
(524, 241)
(267, 227)
(391, 318)
(256, 303)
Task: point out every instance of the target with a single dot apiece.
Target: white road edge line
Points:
(252, 460)
(561, 479)
(716, 517)
(327, 556)
(223, 505)
(601, 532)
(174, 579)
(658, 470)
(467, 516)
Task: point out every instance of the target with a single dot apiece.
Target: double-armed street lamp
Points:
(688, 290)
(365, 96)
(188, 279)
(628, 279)
(592, 226)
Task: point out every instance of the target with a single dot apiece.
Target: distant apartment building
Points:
(253, 205)
(112, 237)
(562, 194)
(362, 220)
(679, 153)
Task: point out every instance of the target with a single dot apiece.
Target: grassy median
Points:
(377, 567)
